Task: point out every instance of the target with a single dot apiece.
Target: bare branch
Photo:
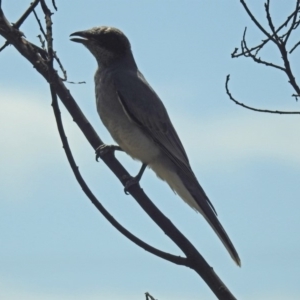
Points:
(40, 24)
(264, 42)
(276, 40)
(79, 82)
(294, 23)
(270, 37)
(288, 70)
(45, 36)
(54, 4)
(22, 19)
(248, 53)
(149, 297)
(280, 41)
(194, 260)
(294, 47)
(172, 258)
(61, 66)
(296, 96)
(164, 255)
(26, 14)
(42, 41)
(256, 109)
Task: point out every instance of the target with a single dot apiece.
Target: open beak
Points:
(84, 37)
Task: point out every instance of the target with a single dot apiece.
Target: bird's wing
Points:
(143, 106)
(146, 109)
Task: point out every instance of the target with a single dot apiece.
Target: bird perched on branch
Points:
(138, 121)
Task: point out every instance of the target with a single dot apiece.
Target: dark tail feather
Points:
(199, 201)
(212, 219)
(209, 213)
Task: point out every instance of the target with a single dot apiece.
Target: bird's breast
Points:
(129, 136)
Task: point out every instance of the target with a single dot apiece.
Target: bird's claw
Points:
(104, 149)
(129, 183)
(134, 180)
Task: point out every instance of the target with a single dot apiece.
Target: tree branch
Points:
(193, 260)
(258, 60)
(276, 40)
(281, 43)
(294, 47)
(294, 23)
(280, 112)
(260, 46)
(22, 19)
(172, 258)
(270, 37)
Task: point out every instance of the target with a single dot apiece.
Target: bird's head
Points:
(107, 44)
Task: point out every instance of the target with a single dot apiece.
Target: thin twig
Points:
(276, 39)
(54, 5)
(22, 19)
(60, 66)
(40, 24)
(288, 68)
(248, 53)
(294, 47)
(149, 297)
(293, 25)
(264, 42)
(54, 54)
(280, 112)
(42, 41)
(270, 37)
(79, 82)
(296, 96)
(280, 41)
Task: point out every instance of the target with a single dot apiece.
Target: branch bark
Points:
(280, 40)
(44, 65)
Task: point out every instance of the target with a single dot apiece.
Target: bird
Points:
(139, 123)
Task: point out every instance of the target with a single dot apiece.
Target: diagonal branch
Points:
(270, 37)
(294, 23)
(277, 40)
(294, 47)
(44, 35)
(194, 260)
(164, 255)
(54, 4)
(26, 14)
(172, 258)
(22, 19)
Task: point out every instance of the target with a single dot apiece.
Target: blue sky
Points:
(55, 245)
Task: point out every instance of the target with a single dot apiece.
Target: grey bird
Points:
(138, 121)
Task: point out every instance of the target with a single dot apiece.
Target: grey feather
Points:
(138, 121)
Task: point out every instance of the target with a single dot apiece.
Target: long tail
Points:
(188, 188)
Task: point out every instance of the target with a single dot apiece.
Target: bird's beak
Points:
(84, 37)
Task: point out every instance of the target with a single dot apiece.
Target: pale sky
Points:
(56, 246)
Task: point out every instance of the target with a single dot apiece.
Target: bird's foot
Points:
(103, 149)
(131, 181)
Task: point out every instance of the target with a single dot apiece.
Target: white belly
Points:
(133, 140)
(127, 133)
